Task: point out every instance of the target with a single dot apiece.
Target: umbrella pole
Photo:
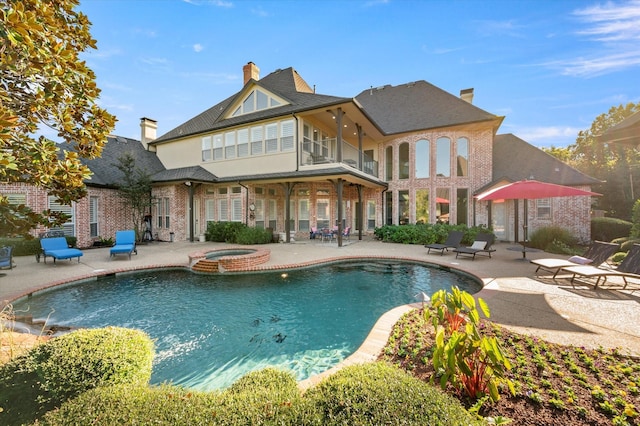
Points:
(525, 227)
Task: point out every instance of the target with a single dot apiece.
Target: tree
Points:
(134, 191)
(43, 83)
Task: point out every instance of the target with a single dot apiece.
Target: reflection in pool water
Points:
(212, 329)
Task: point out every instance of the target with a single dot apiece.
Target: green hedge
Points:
(236, 233)
(368, 394)
(608, 228)
(64, 367)
(25, 247)
(553, 239)
(426, 233)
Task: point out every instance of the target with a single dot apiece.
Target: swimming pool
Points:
(212, 329)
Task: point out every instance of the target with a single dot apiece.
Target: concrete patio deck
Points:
(556, 311)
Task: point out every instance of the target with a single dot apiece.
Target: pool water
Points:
(214, 255)
(210, 330)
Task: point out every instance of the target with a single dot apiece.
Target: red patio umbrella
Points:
(442, 200)
(530, 190)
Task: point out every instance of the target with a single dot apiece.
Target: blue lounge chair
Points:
(125, 243)
(6, 258)
(58, 248)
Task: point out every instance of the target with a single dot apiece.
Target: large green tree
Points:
(44, 83)
(618, 166)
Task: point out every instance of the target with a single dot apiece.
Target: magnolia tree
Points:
(43, 83)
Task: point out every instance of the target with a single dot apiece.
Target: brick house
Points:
(278, 155)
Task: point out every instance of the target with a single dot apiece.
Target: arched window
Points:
(388, 160)
(422, 159)
(462, 157)
(443, 157)
(403, 161)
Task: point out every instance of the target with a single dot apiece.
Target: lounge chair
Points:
(453, 241)
(596, 254)
(481, 245)
(58, 248)
(628, 268)
(125, 243)
(6, 257)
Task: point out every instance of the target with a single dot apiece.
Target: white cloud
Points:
(612, 22)
(198, 47)
(553, 135)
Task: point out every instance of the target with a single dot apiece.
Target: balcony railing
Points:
(325, 152)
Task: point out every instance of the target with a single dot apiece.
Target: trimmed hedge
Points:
(428, 233)
(553, 239)
(66, 366)
(609, 228)
(368, 394)
(29, 247)
(237, 233)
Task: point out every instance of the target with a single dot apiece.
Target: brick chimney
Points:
(467, 95)
(148, 129)
(250, 71)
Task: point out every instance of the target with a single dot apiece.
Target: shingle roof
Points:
(105, 171)
(285, 83)
(627, 131)
(515, 159)
(194, 173)
(417, 106)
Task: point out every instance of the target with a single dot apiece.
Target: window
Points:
(210, 210)
(442, 205)
(271, 141)
(93, 216)
(462, 159)
(70, 225)
(17, 199)
(243, 142)
(217, 147)
(257, 100)
(207, 145)
(230, 145)
(422, 158)
(543, 208)
(292, 215)
(236, 210)
(236, 190)
(403, 207)
(223, 210)
(166, 212)
(303, 215)
(273, 214)
(462, 205)
(159, 212)
(222, 191)
(286, 137)
(323, 217)
(388, 169)
(403, 161)
(259, 213)
(443, 157)
(389, 208)
(256, 140)
(422, 205)
(371, 214)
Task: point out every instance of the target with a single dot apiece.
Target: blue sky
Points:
(550, 67)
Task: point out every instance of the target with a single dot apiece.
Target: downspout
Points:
(297, 143)
(246, 203)
(382, 204)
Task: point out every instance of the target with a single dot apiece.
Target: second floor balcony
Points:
(326, 152)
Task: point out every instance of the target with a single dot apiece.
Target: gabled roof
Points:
(192, 173)
(104, 168)
(285, 83)
(418, 106)
(627, 131)
(514, 160)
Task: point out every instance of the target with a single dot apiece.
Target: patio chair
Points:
(453, 241)
(346, 233)
(481, 245)
(597, 253)
(125, 243)
(58, 248)
(315, 233)
(327, 234)
(6, 257)
(628, 268)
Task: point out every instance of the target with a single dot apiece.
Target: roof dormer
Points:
(256, 100)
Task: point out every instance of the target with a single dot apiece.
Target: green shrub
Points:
(425, 233)
(626, 246)
(249, 235)
(379, 394)
(618, 257)
(66, 366)
(635, 220)
(608, 228)
(22, 246)
(543, 237)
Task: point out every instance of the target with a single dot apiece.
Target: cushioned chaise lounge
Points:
(481, 245)
(596, 254)
(125, 243)
(453, 241)
(628, 268)
(58, 248)
(6, 257)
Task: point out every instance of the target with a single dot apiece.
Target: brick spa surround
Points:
(231, 263)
